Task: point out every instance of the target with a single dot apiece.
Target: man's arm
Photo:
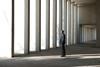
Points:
(65, 38)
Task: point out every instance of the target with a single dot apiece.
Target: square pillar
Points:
(47, 24)
(65, 18)
(26, 27)
(60, 17)
(78, 24)
(12, 46)
(84, 35)
(72, 23)
(38, 25)
(75, 23)
(69, 22)
(80, 34)
(54, 23)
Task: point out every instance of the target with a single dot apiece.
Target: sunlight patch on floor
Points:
(89, 57)
(77, 56)
(41, 58)
(87, 66)
(84, 56)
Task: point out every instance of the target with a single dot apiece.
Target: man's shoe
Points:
(63, 56)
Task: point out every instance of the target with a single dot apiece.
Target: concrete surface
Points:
(76, 56)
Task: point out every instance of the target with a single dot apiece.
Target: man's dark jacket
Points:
(62, 39)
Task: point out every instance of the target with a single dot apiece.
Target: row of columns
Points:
(87, 34)
(70, 23)
(73, 23)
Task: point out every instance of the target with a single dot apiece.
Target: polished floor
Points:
(76, 56)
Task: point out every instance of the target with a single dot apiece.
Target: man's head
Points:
(62, 31)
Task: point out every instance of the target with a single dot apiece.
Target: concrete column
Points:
(87, 37)
(12, 52)
(26, 27)
(84, 34)
(81, 34)
(60, 17)
(72, 23)
(54, 23)
(98, 23)
(38, 25)
(69, 21)
(89, 34)
(95, 34)
(65, 18)
(47, 24)
(75, 24)
(78, 26)
(92, 34)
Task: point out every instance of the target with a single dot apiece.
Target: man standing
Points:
(62, 43)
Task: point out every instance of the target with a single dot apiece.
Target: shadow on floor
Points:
(70, 50)
(49, 62)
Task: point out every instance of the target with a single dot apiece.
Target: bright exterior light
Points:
(5, 28)
(32, 25)
(19, 26)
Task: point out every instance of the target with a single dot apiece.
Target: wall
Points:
(98, 22)
(87, 14)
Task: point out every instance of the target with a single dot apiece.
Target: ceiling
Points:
(84, 1)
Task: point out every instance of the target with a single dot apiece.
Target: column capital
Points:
(75, 4)
(65, 3)
(78, 5)
(69, 0)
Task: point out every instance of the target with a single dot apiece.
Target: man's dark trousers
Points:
(63, 50)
